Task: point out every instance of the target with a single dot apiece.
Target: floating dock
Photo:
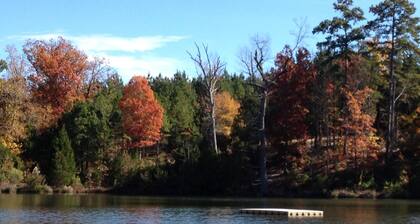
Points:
(282, 211)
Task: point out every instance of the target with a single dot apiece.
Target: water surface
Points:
(98, 208)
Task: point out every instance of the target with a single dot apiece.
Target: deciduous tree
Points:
(59, 69)
(142, 115)
(210, 69)
(294, 76)
(14, 102)
(227, 109)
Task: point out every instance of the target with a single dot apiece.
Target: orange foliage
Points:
(226, 110)
(357, 125)
(59, 72)
(142, 115)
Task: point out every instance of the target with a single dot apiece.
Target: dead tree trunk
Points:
(263, 144)
(210, 69)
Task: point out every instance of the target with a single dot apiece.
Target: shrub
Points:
(35, 182)
(10, 166)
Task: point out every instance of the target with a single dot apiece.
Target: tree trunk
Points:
(263, 145)
(390, 138)
(213, 123)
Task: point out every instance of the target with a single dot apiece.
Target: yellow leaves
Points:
(13, 110)
(227, 109)
(12, 144)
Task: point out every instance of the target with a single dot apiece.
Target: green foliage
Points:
(3, 65)
(94, 127)
(368, 184)
(341, 36)
(395, 189)
(10, 167)
(63, 164)
(179, 101)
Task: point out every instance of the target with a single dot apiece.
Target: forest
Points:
(343, 121)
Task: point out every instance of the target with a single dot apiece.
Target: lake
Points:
(100, 208)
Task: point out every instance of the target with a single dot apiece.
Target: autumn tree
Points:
(141, 113)
(210, 68)
(397, 30)
(324, 108)
(294, 74)
(227, 108)
(357, 121)
(58, 72)
(14, 102)
(362, 145)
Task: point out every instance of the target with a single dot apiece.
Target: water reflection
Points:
(128, 209)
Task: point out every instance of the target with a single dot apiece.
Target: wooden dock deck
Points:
(283, 211)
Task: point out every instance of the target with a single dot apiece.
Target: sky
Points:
(151, 37)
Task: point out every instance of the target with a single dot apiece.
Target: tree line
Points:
(343, 117)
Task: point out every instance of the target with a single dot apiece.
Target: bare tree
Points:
(254, 60)
(98, 70)
(210, 68)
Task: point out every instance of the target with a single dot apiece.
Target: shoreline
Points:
(334, 194)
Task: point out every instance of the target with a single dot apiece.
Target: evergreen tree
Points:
(63, 164)
(397, 32)
(179, 100)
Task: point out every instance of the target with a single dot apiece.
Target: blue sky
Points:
(140, 37)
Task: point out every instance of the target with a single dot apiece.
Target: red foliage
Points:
(289, 106)
(293, 77)
(59, 67)
(142, 115)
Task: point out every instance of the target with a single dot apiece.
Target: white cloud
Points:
(129, 55)
(131, 65)
(99, 43)
(134, 44)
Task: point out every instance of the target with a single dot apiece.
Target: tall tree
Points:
(210, 69)
(360, 134)
(294, 75)
(397, 31)
(254, 60)
(142, 115)
(59, 70)
(342, 37)
(341, 33)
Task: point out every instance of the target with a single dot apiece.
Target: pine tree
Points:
(397, 32)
